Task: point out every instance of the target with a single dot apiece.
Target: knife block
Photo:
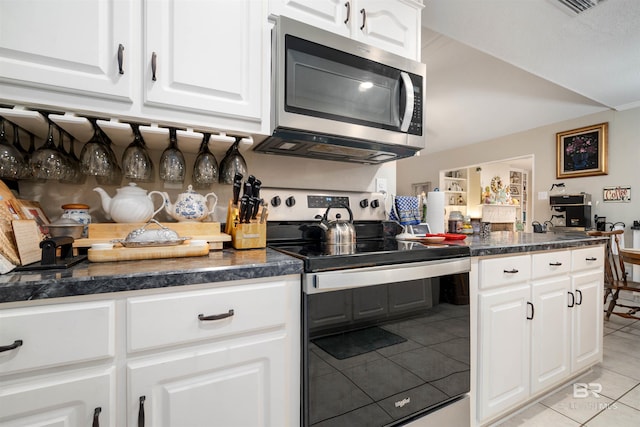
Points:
(250, 235)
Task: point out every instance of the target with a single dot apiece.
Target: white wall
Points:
(624, 163)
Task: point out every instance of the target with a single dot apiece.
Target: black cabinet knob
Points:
(364, 203)
(275, 201)
(375, 203)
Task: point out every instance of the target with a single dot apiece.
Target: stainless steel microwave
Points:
(339, 99)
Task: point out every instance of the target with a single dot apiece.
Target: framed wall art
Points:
(582, 152)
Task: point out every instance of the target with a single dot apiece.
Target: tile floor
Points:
(618, 404)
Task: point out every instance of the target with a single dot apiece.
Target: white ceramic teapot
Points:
(130, 204)
(190, 206)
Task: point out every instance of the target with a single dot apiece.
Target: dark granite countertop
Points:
(96, 278)
(506, 242)
(89, 278)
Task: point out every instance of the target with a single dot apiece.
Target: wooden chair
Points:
(615, 275)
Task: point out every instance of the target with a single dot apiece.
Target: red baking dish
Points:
(449, 236)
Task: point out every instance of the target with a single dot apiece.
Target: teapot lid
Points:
(132, 188)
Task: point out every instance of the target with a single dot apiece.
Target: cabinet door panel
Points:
(68, 400)
(242, 383)
(67, 45)
(208, 55)
(327, 14)
(390, 25)
(550, 333)
(504, 341)
(587, 319)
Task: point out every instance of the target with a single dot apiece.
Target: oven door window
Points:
(327, 83)
(379, 355)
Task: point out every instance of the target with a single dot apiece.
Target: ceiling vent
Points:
(579, 6)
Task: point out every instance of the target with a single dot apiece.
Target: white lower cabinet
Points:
(504, 349)
(247, 375)
(76, 399)
(237, 383)
(221, 354)
(539, 321)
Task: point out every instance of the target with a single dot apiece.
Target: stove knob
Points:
(375, 203)
(364, 203)
(275, 201)
(290, 201)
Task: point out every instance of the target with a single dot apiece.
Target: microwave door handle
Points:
(408, 111)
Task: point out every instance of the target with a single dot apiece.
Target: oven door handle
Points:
(344, 279)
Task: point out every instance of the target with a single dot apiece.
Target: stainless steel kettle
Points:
(338, 232)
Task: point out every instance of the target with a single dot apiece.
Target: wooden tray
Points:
(129, 254)
(106, 232)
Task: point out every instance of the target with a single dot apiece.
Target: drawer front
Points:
(502, 271)
(550, 264)
(587, 258)
(56, 335)
(164, 320)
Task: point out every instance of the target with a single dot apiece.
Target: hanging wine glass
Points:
(136, 162)
(25, 171)
(96, 156)
(67, 172)
(75, 175)
(172, 164)
(232, 163)
(47, 162)
(205, 168)
(115, 175)
(11, 160)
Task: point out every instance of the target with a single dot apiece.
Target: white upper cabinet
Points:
(211, 60)
(67, 46)
(393, 25)
(208, 56)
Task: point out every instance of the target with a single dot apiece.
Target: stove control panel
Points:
(286, 204)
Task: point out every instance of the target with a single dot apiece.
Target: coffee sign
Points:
(617, 194)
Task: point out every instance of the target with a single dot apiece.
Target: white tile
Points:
(577, 408)
(622, 342)
(617, 415)
(609, 383)
(632, 399)
(538, 415)
(621, 363)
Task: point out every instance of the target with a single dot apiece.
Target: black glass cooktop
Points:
(368, 253)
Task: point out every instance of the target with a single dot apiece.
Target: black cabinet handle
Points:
(216, 316)
(579, 292)
(573, 299)
(555, 264)
(364, 18)
(120, 58)
(141, 411)
(532, 310)
(512, 271)
(16, 344)
(154, 64)
(96, 415)
(591, 259)
(348, 6)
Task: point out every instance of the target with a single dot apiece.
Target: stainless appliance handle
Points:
(408, 110)
(369, 276)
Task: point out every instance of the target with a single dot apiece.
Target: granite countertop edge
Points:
(100, 278)
(505, 243)
(226, 265)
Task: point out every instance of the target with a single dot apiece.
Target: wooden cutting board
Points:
(106, 232)
(130, 254)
